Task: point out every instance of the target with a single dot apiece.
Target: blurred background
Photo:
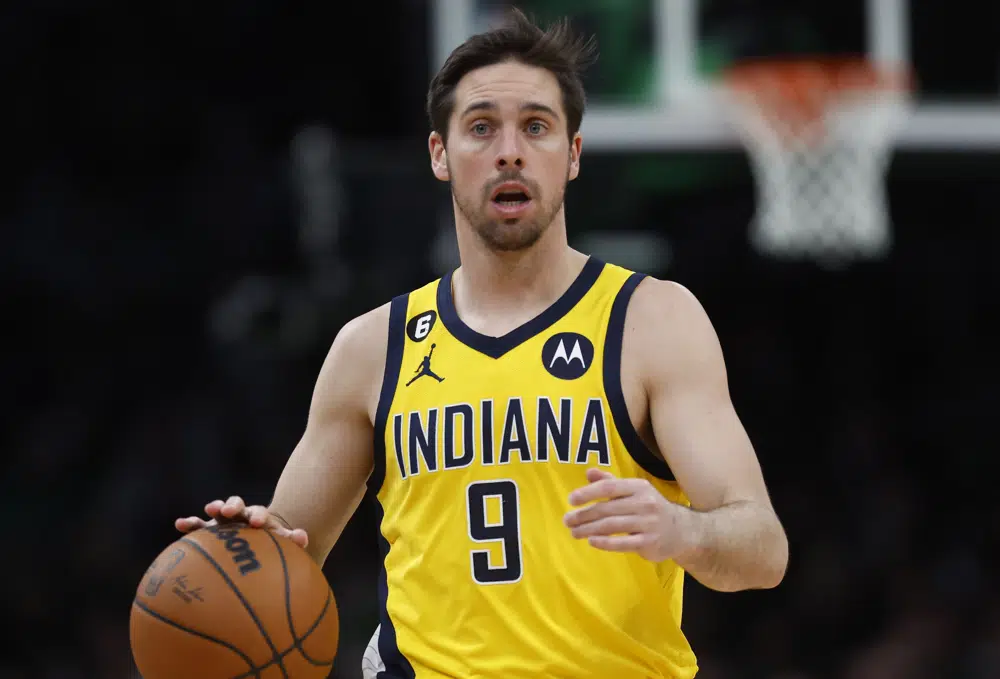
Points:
(196, 197)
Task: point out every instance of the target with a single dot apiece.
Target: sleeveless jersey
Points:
(479, 441)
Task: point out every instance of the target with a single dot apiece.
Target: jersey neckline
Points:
(495, 347)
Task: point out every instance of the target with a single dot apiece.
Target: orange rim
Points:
(798, 91)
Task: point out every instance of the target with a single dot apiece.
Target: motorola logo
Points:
(567, 355)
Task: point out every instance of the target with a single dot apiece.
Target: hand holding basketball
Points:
(629, 515)
(232, 601)
(235, 510)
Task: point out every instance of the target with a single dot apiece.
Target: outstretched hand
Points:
(629, 515)
(234, 510)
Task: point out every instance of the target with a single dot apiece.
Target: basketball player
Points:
(550, 438)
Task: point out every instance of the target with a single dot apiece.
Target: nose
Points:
(509, 154)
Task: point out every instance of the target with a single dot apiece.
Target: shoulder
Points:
(662, 304)
(365, 338)
(363, 335)
(353, 368)
(669, 330)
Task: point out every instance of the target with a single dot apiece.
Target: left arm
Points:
(737, 540)
(730, 538)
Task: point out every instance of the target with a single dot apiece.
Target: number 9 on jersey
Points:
(503, 530)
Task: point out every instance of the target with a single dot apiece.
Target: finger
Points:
(214, 507)
(299, 537)
(605, 489)
(258, 516)
(189, 523)
(618, 543)
(599, 510)
(234, 508)
(611, 525)
(594, 475)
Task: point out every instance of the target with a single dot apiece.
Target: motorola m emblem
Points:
(567, 355)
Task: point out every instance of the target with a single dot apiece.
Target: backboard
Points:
(655, 87)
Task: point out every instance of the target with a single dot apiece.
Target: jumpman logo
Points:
(425, 369)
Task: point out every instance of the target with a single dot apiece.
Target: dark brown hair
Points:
(557, 49)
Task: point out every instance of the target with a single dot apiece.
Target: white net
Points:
(819, 149)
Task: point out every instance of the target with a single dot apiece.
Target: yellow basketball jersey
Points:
(479, 442)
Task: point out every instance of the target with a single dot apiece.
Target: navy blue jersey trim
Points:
(634, 445)
(495, 347)
(390, 378)
(396, 666)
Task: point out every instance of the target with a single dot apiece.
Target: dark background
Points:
(197, 196)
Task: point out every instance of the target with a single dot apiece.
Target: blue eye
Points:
(480, 128)
(536, 128)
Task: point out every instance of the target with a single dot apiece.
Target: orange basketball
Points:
(234, 602)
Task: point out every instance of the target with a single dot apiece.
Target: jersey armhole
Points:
(634, 445)
(390, 378)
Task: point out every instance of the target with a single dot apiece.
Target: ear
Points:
(439, 157)
(575, 149)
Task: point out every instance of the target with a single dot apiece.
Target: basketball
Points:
(234, 602)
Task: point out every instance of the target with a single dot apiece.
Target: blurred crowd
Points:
(180, 246)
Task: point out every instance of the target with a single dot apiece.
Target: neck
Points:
(524, 281)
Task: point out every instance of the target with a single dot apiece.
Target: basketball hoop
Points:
(818, 133)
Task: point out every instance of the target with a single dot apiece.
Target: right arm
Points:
(324, 479)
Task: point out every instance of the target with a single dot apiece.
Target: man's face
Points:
(508, 157)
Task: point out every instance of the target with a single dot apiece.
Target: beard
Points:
(510, 235)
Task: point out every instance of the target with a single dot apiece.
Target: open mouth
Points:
(511, 198)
